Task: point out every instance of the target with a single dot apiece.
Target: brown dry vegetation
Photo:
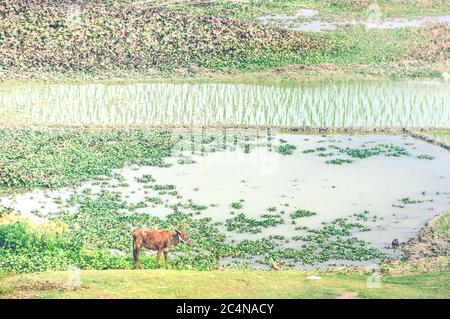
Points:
(437, 46)
(114, 39)
(37, 35)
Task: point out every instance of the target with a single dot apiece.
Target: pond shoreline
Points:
(428, 242)
(427, 139)
(281, 129)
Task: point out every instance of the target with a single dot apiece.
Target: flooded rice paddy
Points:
(302, 191)
(348, 104)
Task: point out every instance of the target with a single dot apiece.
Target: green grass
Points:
(361, 46)
(223, 284)
(442, 225)
(340, 9)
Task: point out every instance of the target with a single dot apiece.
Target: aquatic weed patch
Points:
(237, 205)
(410, 201)
(361, 152)
(299, 213)
(101, 223)
(60, 157)
(364, 152)
(286, 149)
(425, 157)
(243, 224)
(339, 161)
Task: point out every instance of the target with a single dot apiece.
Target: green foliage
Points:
(442, 225)
(23, 250)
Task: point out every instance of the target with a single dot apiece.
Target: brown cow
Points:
(154, 239)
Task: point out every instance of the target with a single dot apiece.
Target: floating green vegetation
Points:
(286, 149)
(101, 225)
(309, 150)
(339, 161)
(182, 161)
(363, 216)
(193, 206)
(61, 157)
(237, 205)
(408, 200)
(388, 150)
(155, 200)
(332, 242)
(164, 187)
(359, 152)
(425, 157)
(323, 154)
(339, 227)
(146, 178)
(243, 224)
(299, 213)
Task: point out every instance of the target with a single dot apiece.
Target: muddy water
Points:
(264, 179)
(349, 104)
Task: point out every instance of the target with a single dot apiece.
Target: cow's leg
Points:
(136, 253)
(165, 259)
(157, 258)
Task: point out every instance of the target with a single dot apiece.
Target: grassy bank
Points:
(224, 284)
(442, 225)
(119, 41)
(342, 9)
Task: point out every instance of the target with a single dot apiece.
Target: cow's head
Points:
(182, 237)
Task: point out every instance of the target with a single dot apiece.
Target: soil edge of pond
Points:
(428, 242)
(427, 139)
